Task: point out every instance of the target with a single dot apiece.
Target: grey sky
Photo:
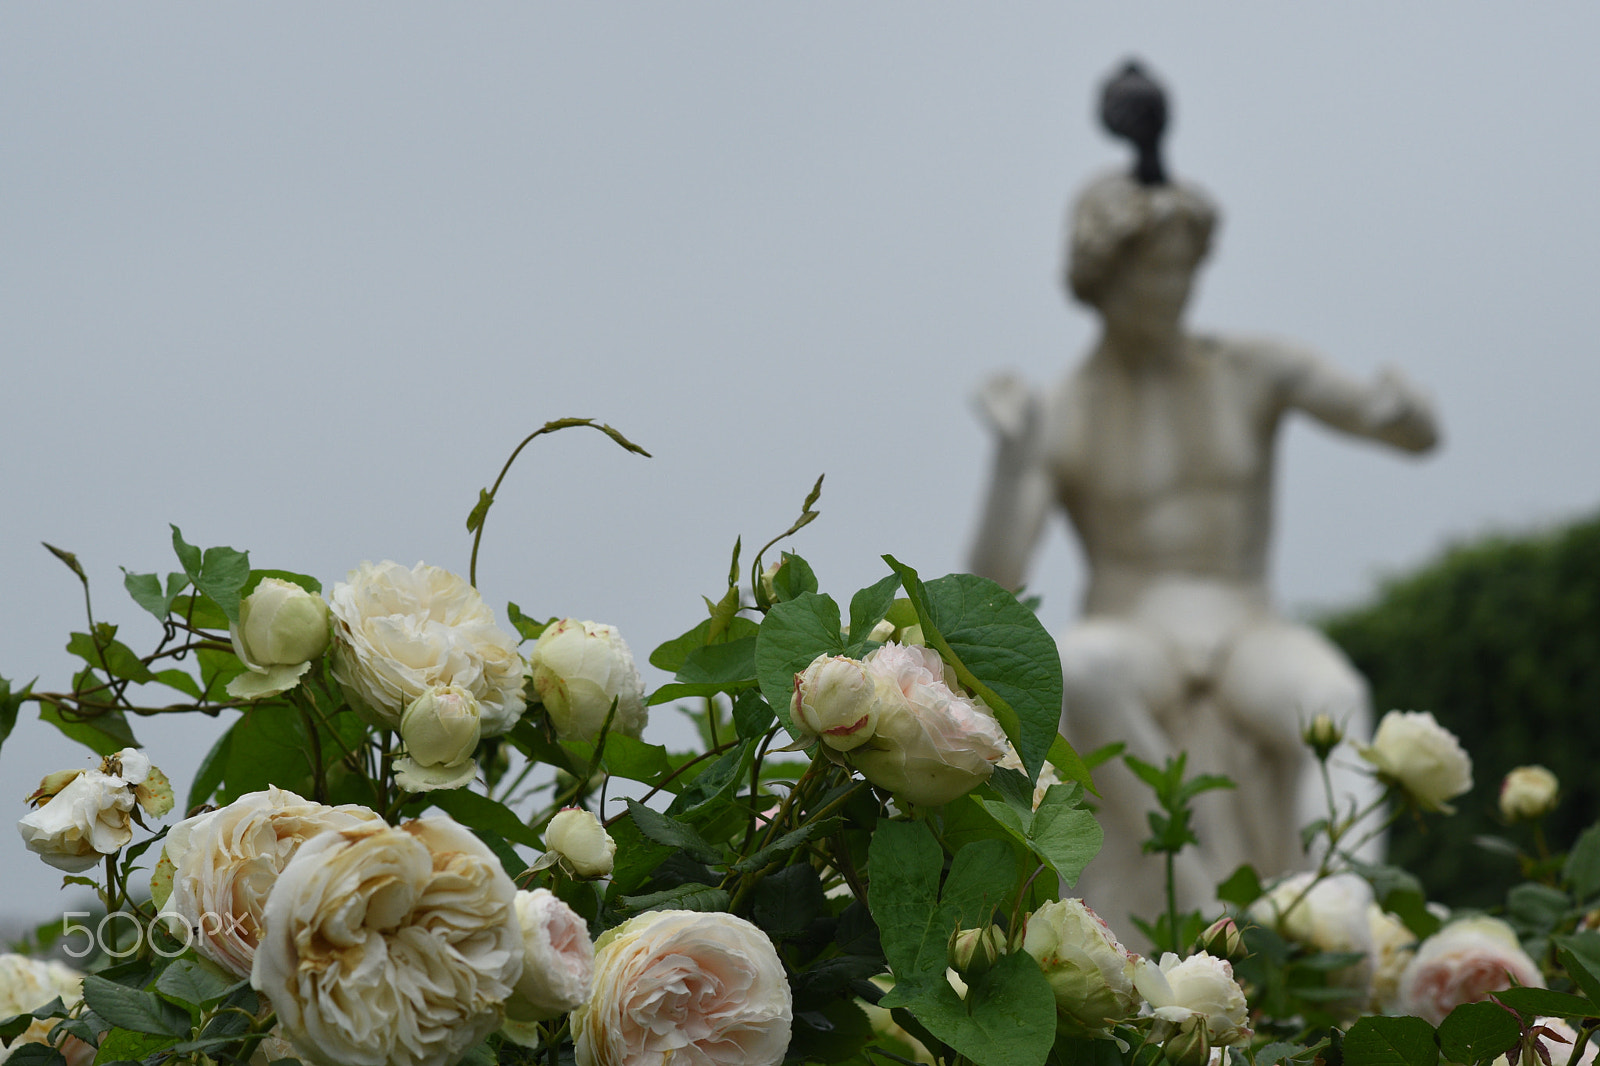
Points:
(297, 277)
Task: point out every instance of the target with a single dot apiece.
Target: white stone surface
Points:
(1160, 448)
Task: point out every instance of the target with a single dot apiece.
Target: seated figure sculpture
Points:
(1160, 448)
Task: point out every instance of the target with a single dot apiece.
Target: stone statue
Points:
(1160, 447)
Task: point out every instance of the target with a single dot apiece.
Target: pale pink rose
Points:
(558, 958)
(1463, 963)
(930, 744)
(226, 861)
(1326, 914)
(390, 946)
(689, 988)
(1090, 972)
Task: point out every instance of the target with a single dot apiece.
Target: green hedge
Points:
(1500, 639)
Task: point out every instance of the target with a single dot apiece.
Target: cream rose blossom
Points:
(393, 946)
(1327, 914)
(1392, 947)
(583, 844)
(27, 984)
(1090, 972)
(225, 862)
(1463, 963)
(1183, 993)
(579, 669)
(400, 633)
(686, 988)
(1528, 793)
(281, 629)
(1413, 751)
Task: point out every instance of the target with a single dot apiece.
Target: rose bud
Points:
(1190, 1046)
(975, 951)
(440, 731)
(835, 699)
(1323, 735)
(579, 670)
(1222, 939)
(281, 629)
(581, 841)
(1090, 972)
(1528, 793)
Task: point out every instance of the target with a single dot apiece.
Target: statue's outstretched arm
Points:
(1018, 499)
(1389, 408)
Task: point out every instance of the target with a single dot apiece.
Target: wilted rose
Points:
(1090, 972)
(931, 744)
(90, 815)
(1463, 963)
(836, 700)
(26, 985)
(579, 669)
(1527, 793)
(1197, 990)
(225, 862)
(393, 946)
(281, 629)
(685, 986)
(1412, 750)
(440, 731)
(582, 842)
(399, 633)
(558, 959)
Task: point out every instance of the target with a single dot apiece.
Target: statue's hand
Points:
(1402, 411)
(1008, 405)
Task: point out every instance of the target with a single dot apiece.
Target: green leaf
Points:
(792, 635)
(179, 680)
(147, 592)
(113, 656)
(869, 606)
(1584, 971)
(633, 759)
(11, 706)
(786, 904)
(664, 830)
(197, 982)
(752, 715)
(671, 655)
(129, 1008)
(689, 897)
(220, 573)
(1542, 1002)
(103, 734)
(833, 1032)
(1242, 888)
(1379, 1041)
(1582, 871)
(1540, 906)
(481, 812)
(1001, 651)
(200, 612)
(526, 627)
(794, 576)
(124, 1045)
(1478, 1032)
(479, 509)
(710, 669)
(1064, 834)
(69, 558)
(209, 775)
(786, 843)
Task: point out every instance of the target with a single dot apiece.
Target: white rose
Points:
(835, 699)
(1413, 751)
(582, 842)
(705, 988)
(281, 629)
(1090, 972)
(558, 958)
(1183, 993)
(1331, 916)
(393, 946)
(399, 633)
(1527, 793)
(1462, 963)
(579, 668)
(1392, 945)
(26, 984)
(931, 744)
(225, 862)
(90, 816)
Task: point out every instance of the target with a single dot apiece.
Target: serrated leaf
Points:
(219, 572)
(675, 834)
(786, 843)
(752, 715)
(147, 593)
(1380, 1041)
(689, 897)
(1478, 1032)
(671, 655)
(112, 656)
(1542, 1002)
(197, 982)
(10, 706)
(481, 812)
(130, 1008)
